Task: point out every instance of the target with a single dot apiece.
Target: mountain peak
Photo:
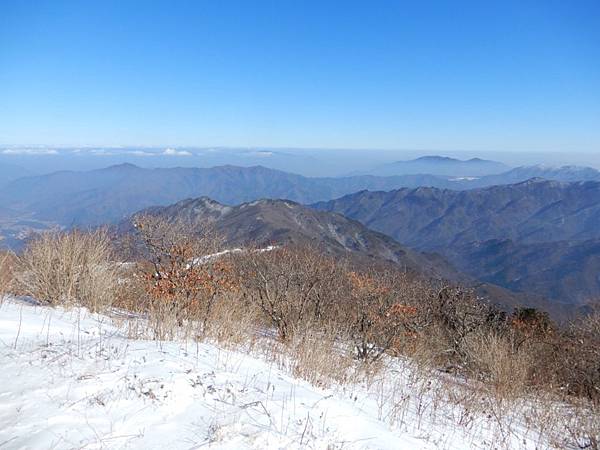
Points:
(123, 166)
(444, 166)
(539, 181)
(282, 222)
(433, 158)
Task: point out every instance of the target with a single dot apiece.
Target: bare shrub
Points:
(182, 275)
(383, 312)
(455, 314)
(69, 268)
(566, 360)
(291, 285)
(579, 358)
(400, 313)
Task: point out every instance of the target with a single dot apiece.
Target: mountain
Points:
(269, 222)
(441, 166)
(453, 175)
(10, 172)
(560, 269)
(533, 216)
(518, 174)
(532, 211)
(107, 195)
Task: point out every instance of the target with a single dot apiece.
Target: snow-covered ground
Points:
(71, 379)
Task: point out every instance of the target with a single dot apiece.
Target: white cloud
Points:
(140, 153)
(173, 152)
(102, 152)
(262, 154)
(29, 151)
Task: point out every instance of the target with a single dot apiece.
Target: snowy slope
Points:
(70, 379)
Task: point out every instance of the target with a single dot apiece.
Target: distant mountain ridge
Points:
(536, 210)
(540, 222)
(567, 270)
(440, 166)
(108, 195)
(556, 173)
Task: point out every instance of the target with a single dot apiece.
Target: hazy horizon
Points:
(304, 161)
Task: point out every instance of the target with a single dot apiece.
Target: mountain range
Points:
(107, 195)
(518, 174)
(441, 166)
(280, 222)
(536, 236)
(558, 270)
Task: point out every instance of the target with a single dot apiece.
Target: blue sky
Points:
(488, 76)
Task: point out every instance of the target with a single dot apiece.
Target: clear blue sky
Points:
(506, 75)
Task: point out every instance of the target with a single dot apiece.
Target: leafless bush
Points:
(383, 312)
(455, 314)
(565, 360)
(292, 286)
(182, 276)
(578, 358)
(69, 268)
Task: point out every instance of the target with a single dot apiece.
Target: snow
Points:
(72, 379)
(463, 179)
(206, 258)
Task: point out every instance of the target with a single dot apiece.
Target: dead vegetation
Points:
(6, 272)
(293, 287)
(69, 268)
(328, 316)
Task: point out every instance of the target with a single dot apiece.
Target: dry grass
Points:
(6, 273)
(69, 268)
(500, 364)
(234, 323)
(320, 356)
